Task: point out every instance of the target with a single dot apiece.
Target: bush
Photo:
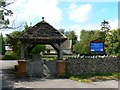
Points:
(10, 55)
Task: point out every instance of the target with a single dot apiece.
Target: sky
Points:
(68, 15)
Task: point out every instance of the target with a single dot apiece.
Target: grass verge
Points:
(93, 77)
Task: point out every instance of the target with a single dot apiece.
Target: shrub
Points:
(10, 55)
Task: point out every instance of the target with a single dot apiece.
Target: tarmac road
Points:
(9, 82)
(5, 67)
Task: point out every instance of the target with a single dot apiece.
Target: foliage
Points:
(77, 47)
(2, 45)
(112, 42)
(27, 27)
(71, 35)
(12, 40)
(10, 55)
(83, 46)
(4, 12)
(62, 31)
(38, 49)
(105, 27)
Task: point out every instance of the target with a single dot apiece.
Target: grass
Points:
(92, 77)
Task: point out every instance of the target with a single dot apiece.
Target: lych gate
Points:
(42, 33)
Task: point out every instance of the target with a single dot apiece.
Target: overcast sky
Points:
(69, 15)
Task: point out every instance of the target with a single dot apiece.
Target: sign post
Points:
(97, 47)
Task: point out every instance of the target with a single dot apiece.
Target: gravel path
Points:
(9, 81)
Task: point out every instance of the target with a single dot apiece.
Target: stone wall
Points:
(92, 65)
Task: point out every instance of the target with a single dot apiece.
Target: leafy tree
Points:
(12, 40)
(62, 31)
(4, 12)
(112, 42)
(105, 27)
(83, 46)
(77, 47)
(71, 36)
(27, 27)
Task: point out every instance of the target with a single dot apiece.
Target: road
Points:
(8, 80)
(5, 68)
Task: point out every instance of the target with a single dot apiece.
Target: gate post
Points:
(61, 68)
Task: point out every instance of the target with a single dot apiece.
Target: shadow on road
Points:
(7, 75)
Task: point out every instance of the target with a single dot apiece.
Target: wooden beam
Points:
(60, 53)
(22, 51)
(55, 46)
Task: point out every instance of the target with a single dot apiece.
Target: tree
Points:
(83, 46)
(105, 27)
(71, 36)
(27, 27)
(12, 40)
(62, 31)
(2, 45)
(112, 42)
(4, 12)
(77, 48)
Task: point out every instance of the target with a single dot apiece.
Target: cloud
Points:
(114, 24)
(33, 10)
(80, 14)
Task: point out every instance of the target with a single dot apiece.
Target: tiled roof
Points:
(42, 30)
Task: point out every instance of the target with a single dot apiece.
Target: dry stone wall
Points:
(80, 65)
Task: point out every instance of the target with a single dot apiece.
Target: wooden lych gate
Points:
(42, 33)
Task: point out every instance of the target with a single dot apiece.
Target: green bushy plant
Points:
(10, 55)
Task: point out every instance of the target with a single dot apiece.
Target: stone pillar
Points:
(22, 51)
(60, 53)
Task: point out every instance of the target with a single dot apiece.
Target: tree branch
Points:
(11, 27)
